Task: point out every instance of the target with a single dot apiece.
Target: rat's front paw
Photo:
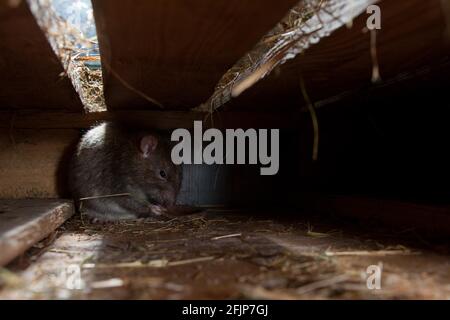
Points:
(158, 210)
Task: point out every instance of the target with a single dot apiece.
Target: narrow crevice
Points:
(70, 28)
(304, 26)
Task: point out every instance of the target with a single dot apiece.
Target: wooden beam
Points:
(412, 38)
(162, 120)
(34, 163)
(176, 51)
(30, 72)
(404, 215)
(26, 222)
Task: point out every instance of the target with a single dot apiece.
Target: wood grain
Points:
(176, 51)
(163, 120)
(29, 69)
(405, 215)
(413, 37)
(33, 163)
(26, 222)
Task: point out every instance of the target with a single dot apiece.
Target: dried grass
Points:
(374, 54)
(136, 256)
(376, 253)
(70, 45)
(235, 235)
(314, 119)
(159, 263)
(327, 283)
(306, 24)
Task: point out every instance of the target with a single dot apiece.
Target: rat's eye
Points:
(163, 174)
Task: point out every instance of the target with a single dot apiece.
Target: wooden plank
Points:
(176, 51)
(403, 215)
(413, 37)
(26, 119)
(29, 69)
(26, 222)
(231, 253)
(33, 163)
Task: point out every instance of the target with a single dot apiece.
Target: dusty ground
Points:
(222, 255)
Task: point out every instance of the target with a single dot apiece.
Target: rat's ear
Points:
(148, 145)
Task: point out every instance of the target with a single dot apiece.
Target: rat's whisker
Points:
(107, 196)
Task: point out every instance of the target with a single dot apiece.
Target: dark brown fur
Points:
(109, 160)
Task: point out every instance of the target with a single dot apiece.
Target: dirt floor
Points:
(220, 254)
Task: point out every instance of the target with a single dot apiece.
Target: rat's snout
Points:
(169, 197)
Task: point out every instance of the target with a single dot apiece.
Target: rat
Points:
(119, 173)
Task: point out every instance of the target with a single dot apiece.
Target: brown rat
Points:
(111, 161)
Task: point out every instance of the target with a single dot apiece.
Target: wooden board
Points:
(424, 218)
(227, 254)
(176, 51)
(29, 69)
(412, 38)
(25, 222)
(163, 120)
(33, 163)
